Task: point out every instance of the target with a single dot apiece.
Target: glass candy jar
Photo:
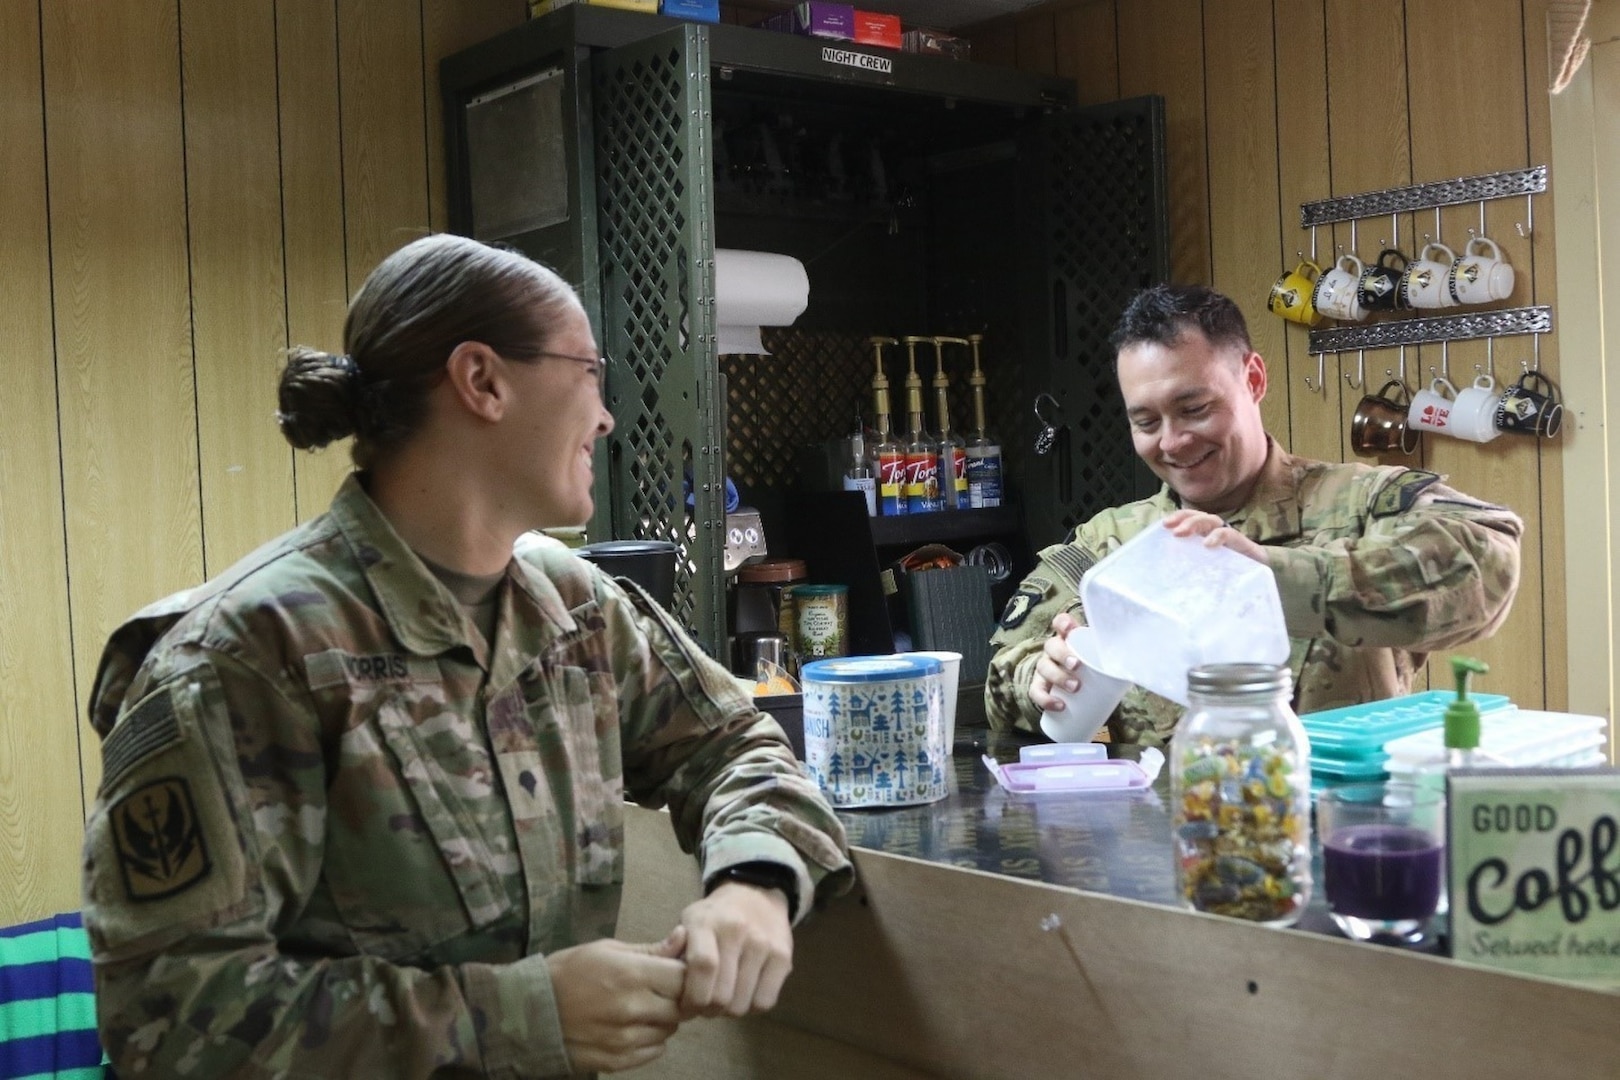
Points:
(1240, 787)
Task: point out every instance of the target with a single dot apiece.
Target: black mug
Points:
(1379, 289)
(1530, 407)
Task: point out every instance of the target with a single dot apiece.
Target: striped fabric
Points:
(47, 1002)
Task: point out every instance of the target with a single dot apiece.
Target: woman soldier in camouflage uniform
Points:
(361, 811)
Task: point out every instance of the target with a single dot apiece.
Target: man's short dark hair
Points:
(1161, 313)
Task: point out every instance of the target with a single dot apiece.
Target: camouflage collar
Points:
(421, 613)
(1272, 514)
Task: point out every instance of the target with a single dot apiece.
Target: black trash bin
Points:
(648, 563)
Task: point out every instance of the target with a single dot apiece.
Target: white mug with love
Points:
(1431, 410)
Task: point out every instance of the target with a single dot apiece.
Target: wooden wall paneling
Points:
(1161, 52)
(238, 296)
(312, 211)
(385, 192)
(1556, 580)
(995, 42)
(1087, 50)
(119, 279)
(448, 28)
(1036, 39)
(1463, 125)
(41, 805)
(1244, 207)
(1300, 35)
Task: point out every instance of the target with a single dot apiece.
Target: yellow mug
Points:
(1291, 295)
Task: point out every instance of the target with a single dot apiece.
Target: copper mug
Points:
(1379, 424)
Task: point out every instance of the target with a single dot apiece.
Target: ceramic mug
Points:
(1473, 414)
(1380, 287)
(1530, 407)
(1430, 409)
(1379, 424)
(1479, 278)
(1424, 283)
(1335, 294)
(1291, 294)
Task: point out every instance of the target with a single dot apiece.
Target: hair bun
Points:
(317, 398)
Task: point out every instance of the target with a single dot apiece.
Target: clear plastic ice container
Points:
(1164, 604)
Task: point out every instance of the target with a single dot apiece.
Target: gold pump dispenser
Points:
(888, 457)
(984, 473)
(953, 485)
(922, 455)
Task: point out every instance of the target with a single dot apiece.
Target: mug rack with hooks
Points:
(1425, 330)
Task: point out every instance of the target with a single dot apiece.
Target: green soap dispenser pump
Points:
(1462, 719)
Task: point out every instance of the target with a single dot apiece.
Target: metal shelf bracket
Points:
(1464, 189)
(1425, 331)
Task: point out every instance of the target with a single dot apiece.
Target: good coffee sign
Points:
(1535, 871)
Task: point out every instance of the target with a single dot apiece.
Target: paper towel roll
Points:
(754, 289)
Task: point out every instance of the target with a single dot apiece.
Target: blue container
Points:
(695, 10)
(874, 729)
(1357, 731)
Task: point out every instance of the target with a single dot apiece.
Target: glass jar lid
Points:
(1222, 680)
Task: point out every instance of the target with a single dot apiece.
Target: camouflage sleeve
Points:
(206, 841)
(1433, 569)
(1052, 587)
(694, 741)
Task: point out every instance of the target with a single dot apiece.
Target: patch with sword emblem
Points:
(161, 851)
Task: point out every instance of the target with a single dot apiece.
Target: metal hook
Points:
(1535, 344)
(1403, 365)
(1490, 358)
(1445, 360)
(1361, 371)
(1529, 216)
(1437, 233)
(1481, 219)
(1049, 427)
(1395, 230)
(1355, 245)
(1313, 243)
(1321, 371)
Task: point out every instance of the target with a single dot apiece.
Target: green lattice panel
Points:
(652, 147)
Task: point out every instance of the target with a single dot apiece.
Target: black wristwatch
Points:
(764, 875)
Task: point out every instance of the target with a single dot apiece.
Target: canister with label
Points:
(874, 730)
(821, 614)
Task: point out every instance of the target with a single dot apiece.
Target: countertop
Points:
(1115, 843)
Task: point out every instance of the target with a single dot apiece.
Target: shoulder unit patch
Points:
(160, 844)
(1397, 496)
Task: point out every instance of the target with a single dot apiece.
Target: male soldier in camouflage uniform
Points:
(349, 825)
(1376, 565)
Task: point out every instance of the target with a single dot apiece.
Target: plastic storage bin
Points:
(1163, 605)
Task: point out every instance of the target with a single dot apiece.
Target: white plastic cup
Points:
(951, 675)
(1087, 709)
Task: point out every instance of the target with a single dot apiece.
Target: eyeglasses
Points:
(599, 364)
